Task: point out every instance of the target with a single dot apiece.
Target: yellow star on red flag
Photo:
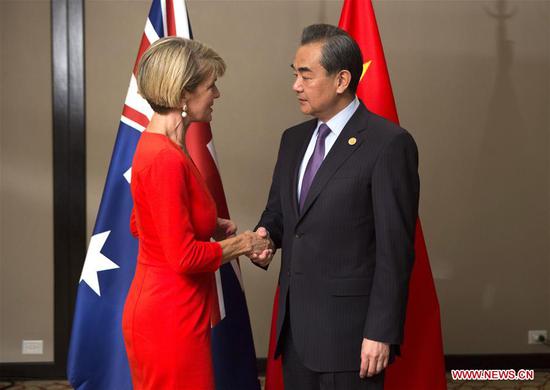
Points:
(365, 67)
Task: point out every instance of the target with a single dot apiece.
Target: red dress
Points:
(166, 318)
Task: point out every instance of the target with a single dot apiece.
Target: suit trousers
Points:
(297, 376)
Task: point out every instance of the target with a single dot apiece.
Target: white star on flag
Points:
(128, 175)
(96, 261)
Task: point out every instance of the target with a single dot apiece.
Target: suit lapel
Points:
(339, 153)
(297, 156)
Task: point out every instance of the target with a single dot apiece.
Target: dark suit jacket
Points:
(347, 256)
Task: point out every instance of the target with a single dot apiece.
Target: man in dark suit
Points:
(342, 206)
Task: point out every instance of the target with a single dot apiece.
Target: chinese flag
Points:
(421, 365)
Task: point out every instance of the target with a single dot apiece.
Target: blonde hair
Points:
(173, 65)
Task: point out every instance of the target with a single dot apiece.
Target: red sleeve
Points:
(133, 226)
(170, 203)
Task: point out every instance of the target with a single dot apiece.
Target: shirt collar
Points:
(339, 121)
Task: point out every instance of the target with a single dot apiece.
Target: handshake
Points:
(257, 246)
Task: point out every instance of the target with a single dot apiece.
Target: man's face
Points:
(315, 89)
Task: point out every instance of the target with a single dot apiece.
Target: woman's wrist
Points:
(233, 247)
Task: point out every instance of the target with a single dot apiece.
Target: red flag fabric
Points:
(421, 365)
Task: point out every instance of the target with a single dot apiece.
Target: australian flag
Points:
(97, 356)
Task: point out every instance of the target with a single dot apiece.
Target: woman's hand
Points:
(249, 243)
(224, 228)
(256, 244)
(264, 258)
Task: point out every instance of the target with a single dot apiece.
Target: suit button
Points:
(288, 273)
(298, 235)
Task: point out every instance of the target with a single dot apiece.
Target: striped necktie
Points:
(314, 162)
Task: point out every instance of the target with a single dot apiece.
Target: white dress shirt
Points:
(336, 124)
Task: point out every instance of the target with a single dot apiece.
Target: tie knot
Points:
(324, 130)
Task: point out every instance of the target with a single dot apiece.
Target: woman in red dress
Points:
(166, 319)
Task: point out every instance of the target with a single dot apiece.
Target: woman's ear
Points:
(183, 103)
(185, 95)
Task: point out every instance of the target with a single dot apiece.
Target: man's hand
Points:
(374, 357)
(264, 258)
(224, 228)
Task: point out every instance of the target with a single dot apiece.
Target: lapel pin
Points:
(352, 141)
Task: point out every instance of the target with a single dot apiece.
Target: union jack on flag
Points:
(97, 356)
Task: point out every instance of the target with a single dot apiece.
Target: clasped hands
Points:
(263, 250)
(258, 246)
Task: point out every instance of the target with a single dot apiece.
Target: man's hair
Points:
(173, 65)
(339, 52)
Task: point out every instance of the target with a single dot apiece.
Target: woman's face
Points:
(200, 101)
